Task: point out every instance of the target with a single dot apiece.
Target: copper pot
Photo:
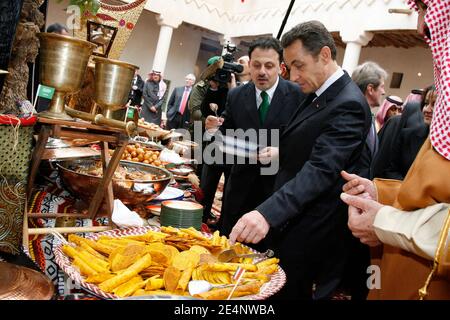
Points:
(84, 185)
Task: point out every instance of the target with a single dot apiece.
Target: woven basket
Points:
(14, 168)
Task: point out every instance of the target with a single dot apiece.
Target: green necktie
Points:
(263, 107)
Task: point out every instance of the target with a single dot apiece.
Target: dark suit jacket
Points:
(321, 139)
(389, 136)
(246, 188)
(136, 95)
(405, 151)
(174, 104)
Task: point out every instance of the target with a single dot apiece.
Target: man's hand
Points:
(153, 109)
(232, 83)
(252, 227)
(213, 123)
(361, 215)
(268, 155)
(357, 185)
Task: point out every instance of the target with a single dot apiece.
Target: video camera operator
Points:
(208, 97)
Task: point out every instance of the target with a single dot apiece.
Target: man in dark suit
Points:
(177, 107)
(370, 78)
(266, 102)
(137, 86)
(325, 135)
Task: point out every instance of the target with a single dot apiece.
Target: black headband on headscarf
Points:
(398, 103)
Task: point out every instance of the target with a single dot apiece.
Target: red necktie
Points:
(184, 101)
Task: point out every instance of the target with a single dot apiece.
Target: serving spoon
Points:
(228, 255)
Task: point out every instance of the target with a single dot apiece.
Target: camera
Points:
(223, 75)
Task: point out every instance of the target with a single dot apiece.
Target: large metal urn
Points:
(62, 66)
(113, 81)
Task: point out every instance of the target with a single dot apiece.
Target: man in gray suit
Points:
(177, 108)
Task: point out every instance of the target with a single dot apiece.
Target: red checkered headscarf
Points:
(437, 18)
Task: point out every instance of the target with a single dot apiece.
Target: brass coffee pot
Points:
(113, 81)
(62, 66)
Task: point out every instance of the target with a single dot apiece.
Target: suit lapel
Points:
(250, 105)
(306, 111)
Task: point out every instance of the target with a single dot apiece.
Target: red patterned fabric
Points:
(437, 18)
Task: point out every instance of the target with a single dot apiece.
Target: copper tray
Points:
(20, 283)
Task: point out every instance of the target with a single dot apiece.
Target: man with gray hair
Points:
(177, 110)
(370, 78)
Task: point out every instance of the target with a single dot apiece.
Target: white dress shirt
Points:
(269, 92)
(332, 79)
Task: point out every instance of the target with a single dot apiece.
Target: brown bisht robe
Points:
(404, 273)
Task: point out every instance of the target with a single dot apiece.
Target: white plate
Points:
(238, 147)
(170, 193)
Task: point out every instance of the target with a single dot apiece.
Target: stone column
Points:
(164, 39)
(355, 40)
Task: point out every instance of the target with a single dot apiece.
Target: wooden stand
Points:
(83, 130)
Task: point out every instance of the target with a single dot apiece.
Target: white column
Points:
(351, 56)
(162, 48)
(164, 39)
(355, 41)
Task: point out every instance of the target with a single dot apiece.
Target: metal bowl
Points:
(131, 192)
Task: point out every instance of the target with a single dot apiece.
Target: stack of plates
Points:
(181, 214)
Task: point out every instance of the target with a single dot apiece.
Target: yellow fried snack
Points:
(172, 250)
(92, 251)
(149, 236)
(207, 258)
(186, 259)
(199, 249)
(84, 268)
(93, 259)
(99, 277)
(194, 233)
(224, 242)
(100, 247)
(123, 257)
(75, 253)
(229, 266)
(257, 275)
(128, 288)
(84, 243)
(154, 283)
(267, 262)
(216, 238)
(162, 257)
(184, 279)
(127, 274)
(171, 277)
(268, 269)
(221, 294)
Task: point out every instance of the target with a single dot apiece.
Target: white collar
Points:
(270, 92)
(332, 79)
